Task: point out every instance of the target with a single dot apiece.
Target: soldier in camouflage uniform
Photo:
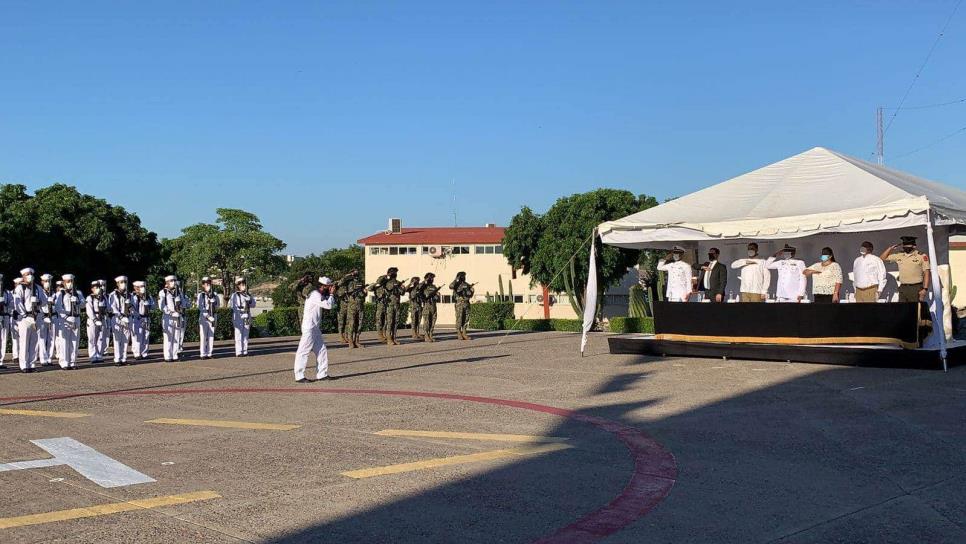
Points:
(303, 288)
(394, 291)
(342, 295)
(379, 294)
(415, 306)
(356, 291)
(462, 295)
(429, 294)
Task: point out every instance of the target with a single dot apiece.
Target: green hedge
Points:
(540, 325)
(491, 316)
(624, 325)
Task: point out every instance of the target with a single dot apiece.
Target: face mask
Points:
(29, 278)
(69, 285)
(908, 249)
(786, 255)
(207, 288)
(676, 257)
(863, 251)
(826, 258)
(752, 253)
(96, 290)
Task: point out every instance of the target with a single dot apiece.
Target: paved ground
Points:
(549, 445)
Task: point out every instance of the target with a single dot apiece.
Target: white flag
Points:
(590, 297)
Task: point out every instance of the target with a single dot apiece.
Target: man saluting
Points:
(312, 340)
(678, 275)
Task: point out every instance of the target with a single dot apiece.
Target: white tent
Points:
(816, 192)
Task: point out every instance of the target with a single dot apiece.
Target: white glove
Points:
(125, 320)
(47, 320)
(244, 315)
(175, 315)
(210, 318)
(73, 299)
(98, 323)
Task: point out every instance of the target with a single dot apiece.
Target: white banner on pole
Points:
(590, 296)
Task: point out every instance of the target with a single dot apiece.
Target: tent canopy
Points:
(813, 192)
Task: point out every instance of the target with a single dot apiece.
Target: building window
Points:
(373, 250)
(447, 299)
(518, 299)
(480, 250)
(411, 250)
(425, 250)
(461, 250)
(499, 249)
(489, 250)
(394, 250)
(384, 251)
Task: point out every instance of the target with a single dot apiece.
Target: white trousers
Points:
(206, 333)
(241, 335)
(14, 339)
(95, 341)
(180, 336)
(28, 342)
(783, 299)
(4, 335)
(122, 337)
(311, 341)
(67, 341)
(46, 335)
(104, 340)
(171, 329)
(140, 336)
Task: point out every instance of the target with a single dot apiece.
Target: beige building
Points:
(478, 251)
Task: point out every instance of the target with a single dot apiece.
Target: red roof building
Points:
(436, 236)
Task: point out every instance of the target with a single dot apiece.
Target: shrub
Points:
(491, 316)
(625, 325)
(532, 325)
(567, 325)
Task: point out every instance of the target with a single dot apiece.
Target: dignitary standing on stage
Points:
(791, 275)
(713, 278)
(868, 275)
(121, 309)
(68, 307)
(207, 318)
(143, 304)
(678, 275)
(28, 299)
(913, 270)
(826, 277)
(241, 304)
(173, 305)
(755, 278)
(312, 340)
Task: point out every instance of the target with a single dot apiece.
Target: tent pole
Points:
(937, 291)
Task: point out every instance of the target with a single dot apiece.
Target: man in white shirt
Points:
(312, 340)
(791, 278)
(755, 278)
(868, 275)
(678, 275)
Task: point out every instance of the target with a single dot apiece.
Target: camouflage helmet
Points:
(414, 279)
(461, 276)
(392, 270)
(429, 276)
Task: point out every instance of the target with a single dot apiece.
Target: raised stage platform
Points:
(854, 355)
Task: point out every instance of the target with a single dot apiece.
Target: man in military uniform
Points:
(29, 298)
(462, 295)
(379, 293)
(913, 270)
(47, 322)
(415, 306)
(429, 294)
(356, 291)
(303, 288)
(394, 292)
(68, 305)
(342, 297)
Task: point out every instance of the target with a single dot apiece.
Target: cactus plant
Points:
(509, 284)
(499, 280)
(660, 285)
(636, 305)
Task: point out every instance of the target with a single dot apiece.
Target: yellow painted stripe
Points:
(226, 424)
(40, 413)
(472, 436)
(105, 509)
(456, 460)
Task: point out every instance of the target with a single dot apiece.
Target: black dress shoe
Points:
(28, 370)
(303, 380)
(326, 378)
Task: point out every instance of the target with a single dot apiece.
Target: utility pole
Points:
(879, 135)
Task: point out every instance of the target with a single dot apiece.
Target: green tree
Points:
(60, 230)
(554, 247)
(235, 245)
(334, 263)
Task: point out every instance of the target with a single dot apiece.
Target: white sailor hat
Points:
(119, 279)
(139, 283)
(102, 282)
(96, 283)
(325, 280)
(206, 279)
(171, 277)
(60, 282)
(66, 277)
(25, 271)
(46, 277)
(239, 279)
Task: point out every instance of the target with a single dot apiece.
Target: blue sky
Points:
(327, 118)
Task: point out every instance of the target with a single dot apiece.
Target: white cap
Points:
(171, 278)
(25, 271)
(325, 280)
(119, 279)
(60, 282)
(46, 277)
(102, 282)
(96, 283)
(66, 277)
(139, 283)
(239, 279)
(206, 279)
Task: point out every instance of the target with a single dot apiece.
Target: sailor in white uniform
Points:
(121, 310)
(28, 299)
(173, 304)
(96, 309)
(207, 318)
(6, 309)
(68, 306)
(312, 340)
(791, 275)
(143, 305)
(679, 274)
(46, 322)
(241, 304)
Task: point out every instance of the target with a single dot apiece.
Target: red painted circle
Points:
(654, 467)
